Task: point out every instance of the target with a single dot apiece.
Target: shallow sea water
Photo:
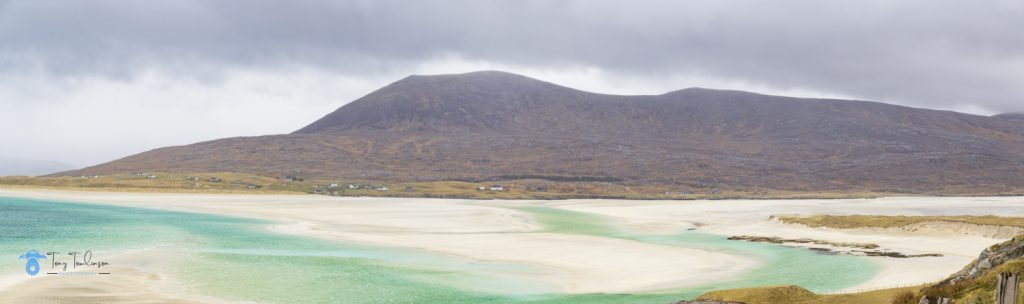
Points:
(238, 259)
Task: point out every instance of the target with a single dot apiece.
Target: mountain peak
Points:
(475, 100)
(474, 74)
(489, 80)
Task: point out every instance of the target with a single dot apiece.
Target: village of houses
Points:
(295, 183)
(322, 189)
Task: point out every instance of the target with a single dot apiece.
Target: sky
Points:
(83, 82)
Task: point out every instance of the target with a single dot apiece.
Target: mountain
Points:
(1015, 116)
(10, 166)
(486, 125)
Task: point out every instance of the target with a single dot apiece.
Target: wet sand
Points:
(487, 231)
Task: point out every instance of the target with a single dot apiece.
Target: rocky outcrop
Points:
(927, 300)
(778, 240)
(864, 249)
(990, 258)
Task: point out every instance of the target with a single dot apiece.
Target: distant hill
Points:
(1016, 116)
(9, 167)
(486, 125)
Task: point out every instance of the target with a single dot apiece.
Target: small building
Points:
(497, 188)
(253, 186)
(382, 188)
(151, 176)
(292, 178)
(317, 191)
(214, 180)
(333, 186)
(481, 188)
(353, 186)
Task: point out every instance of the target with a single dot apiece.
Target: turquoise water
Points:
(781, 265)
(237, 258)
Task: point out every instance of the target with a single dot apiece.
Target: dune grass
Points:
(798, 295)
(174, 183)
(882, 221)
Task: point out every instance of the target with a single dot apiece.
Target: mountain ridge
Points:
(30, 167)
(483, 125)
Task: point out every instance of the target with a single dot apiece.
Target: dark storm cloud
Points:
(940, 54)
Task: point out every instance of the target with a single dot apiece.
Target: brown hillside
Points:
(485, 125)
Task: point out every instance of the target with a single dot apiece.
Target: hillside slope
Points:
(485, 125)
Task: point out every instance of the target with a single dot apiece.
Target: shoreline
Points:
(462, 227)
(468, 231)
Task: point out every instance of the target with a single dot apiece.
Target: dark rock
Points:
(881, 253)
(989, 258)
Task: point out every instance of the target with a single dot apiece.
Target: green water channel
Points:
(235, 258)
(781, 265)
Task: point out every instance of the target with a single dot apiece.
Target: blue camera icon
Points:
(32, 265)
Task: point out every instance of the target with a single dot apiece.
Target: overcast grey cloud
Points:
(108, 78)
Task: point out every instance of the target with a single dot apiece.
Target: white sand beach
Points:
(751, 217)
(484, 231)
(467, 229)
